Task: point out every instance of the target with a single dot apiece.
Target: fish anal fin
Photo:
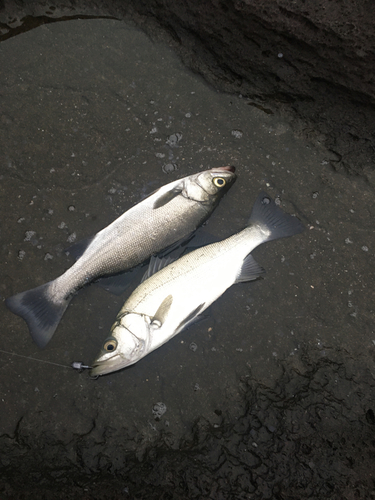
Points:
(118, 283)
(250, 270)
(162, 312)
(201, 238)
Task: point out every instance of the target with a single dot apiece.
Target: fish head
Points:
(127, 343)
(209, 186)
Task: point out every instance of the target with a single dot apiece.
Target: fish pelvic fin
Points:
(191, 318)
(41, 314)
(268, 215)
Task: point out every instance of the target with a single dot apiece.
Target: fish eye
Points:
(219, 181)
(110, 345)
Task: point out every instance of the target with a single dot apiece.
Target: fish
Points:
(173, 298)
(170, 214)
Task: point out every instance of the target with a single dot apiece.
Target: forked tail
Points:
(40, 312)
(272, 219)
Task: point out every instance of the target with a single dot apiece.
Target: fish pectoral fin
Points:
(162, 312)
(250, 270)
(191, 318)
(167, 197)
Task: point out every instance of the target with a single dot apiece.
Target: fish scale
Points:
(172, 298)
(219, 263)
(168, 215)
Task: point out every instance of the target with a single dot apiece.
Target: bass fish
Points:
(170, 214)
(172, 299)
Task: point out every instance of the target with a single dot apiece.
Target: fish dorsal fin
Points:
(162, 312)
(167, 197)
(156, 264)
(169, 255)
(78, 249)
(177, 250)
(250, 270)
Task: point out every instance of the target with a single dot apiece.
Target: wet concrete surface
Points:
(272, 395)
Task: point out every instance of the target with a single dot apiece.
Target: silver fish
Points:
(170, 214)
(171, 299)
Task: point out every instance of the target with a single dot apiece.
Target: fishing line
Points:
(77, 365)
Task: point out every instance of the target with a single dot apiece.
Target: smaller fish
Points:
(167, 216)
(173, 298)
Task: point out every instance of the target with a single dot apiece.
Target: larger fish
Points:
(172, 298)
(168, 215)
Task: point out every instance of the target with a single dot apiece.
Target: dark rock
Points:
(312, 60)
(320, 447)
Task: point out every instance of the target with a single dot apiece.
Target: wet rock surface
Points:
(312, 61)
(272, 395)
(310, 435)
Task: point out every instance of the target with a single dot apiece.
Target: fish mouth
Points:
(108, 366)
(227, 168)
(97, 370)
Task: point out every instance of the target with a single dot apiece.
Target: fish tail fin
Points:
(41, 313)
(273, 220)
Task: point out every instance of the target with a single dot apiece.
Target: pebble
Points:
(169, 167)
(237, 133)
(174, 139)
(29, 235)
(21, 254)
(193, 346)
(72, 237)
(158, 410)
